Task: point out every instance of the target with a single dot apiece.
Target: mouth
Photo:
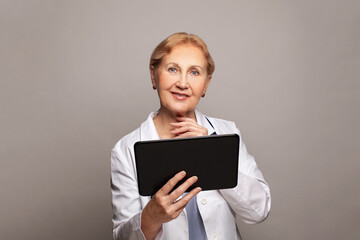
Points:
(180, 96)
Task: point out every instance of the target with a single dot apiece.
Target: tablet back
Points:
(213, 159)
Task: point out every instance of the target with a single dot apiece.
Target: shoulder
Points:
(146, 131)
(128, 140)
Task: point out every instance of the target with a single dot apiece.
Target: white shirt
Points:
(249, 201)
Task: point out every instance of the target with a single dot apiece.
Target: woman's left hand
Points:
(187, 127)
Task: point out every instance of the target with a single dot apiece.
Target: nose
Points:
(182, 82)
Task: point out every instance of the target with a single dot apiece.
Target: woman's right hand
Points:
(164, 206)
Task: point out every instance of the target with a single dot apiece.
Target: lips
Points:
(180, 96)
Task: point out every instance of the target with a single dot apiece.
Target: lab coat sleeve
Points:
(250, 199)
(125, 201)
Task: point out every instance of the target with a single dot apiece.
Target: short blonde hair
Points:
(167, 44)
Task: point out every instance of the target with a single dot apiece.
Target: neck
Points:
(164, 118)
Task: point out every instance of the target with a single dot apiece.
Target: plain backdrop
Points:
(74, 80)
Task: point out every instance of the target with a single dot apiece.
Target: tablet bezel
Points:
(213, 158)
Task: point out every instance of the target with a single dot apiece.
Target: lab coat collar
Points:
(148, 130)
(202, 120)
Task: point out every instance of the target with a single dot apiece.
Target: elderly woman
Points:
(181, 69)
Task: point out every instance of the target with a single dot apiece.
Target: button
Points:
(203, 201)
(214, 237)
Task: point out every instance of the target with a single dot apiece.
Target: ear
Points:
(153, 77)
(207, 84)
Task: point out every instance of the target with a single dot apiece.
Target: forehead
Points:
(185, 54)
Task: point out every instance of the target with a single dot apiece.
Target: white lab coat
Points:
(249, 201)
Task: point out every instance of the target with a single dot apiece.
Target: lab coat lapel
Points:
(148, 132)
(203, 121)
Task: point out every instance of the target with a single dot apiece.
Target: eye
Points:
(194, 72)
(172, 70)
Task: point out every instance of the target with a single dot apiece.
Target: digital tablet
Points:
(213, 159)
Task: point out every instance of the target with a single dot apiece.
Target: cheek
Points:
(165, 81)
(198, 88)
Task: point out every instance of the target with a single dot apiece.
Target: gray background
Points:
(74, 80)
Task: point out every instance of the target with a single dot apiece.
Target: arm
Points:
(250, 199)
(130, 221)
(125, 197)
(166, 205)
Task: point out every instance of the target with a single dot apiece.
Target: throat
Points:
(163, 127)
(164, 118)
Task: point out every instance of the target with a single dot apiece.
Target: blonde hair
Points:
(175, 39)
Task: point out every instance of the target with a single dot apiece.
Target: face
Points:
(181, 79)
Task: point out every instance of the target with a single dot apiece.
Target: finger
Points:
(172, 182)
(181, 124)
(188, 134)
(191, 125)
(183, 130)
(183, 201)
(183, 187)
(187, 126)
(176, 124)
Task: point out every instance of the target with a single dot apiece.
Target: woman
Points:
(181, 69)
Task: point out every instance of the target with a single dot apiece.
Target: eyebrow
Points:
(190, 66)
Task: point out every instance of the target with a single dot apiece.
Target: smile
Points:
(180, 96)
